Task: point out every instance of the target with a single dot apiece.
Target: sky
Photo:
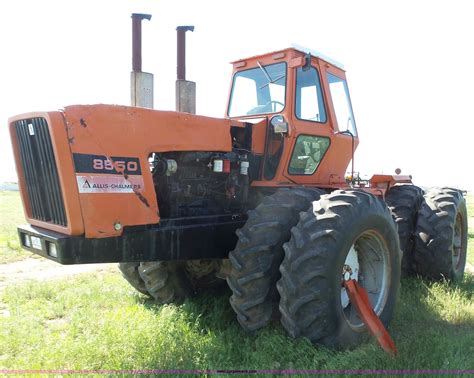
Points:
(409, 66)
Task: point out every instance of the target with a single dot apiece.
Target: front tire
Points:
(347, 234)
(441, 235)
(258, 254)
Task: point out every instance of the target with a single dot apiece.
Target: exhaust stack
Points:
(185, 90)
(141, 83)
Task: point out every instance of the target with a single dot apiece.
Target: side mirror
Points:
(307, 62)
(280, 126)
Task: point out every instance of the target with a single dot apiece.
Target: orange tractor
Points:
(259, 199)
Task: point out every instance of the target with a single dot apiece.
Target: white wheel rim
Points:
(350, 271)
(368, 260)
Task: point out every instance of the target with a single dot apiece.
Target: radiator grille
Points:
(40, 171)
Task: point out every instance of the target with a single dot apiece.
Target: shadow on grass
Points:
(223, 344)
(466, 286)
(209, 307)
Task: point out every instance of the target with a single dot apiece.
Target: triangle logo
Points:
(86, 184)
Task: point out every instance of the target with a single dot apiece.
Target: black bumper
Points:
(210, 237)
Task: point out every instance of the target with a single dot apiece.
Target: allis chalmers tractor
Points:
(259, 198)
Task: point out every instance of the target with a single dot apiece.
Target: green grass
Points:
(97, 321)
(11, 215)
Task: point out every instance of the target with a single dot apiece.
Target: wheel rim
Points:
(350, 271)
(457, 243)
(373, 274)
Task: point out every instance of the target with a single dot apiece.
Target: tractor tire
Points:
(347, 234)
(202, 274)
(257, 256)
(165, 281)
(129, 271)
(441, 235)
(404, 201)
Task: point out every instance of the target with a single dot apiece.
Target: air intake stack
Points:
(141, 84)
(185, 90)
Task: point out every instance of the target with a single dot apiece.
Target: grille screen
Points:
(40, 171)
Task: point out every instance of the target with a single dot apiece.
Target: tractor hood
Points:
(94, 160)
(111, 130)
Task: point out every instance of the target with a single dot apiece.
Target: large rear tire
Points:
(165, 281)
(404, 201)
(258, 254)
(441, 235)
(345, 235)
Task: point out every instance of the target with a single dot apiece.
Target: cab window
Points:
(259, 90)
(342, 104)
(307, 155)
(309, 104)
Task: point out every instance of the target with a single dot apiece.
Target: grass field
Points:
(11, 215)
(98, 322)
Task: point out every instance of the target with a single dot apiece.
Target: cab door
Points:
(311, 125)
(320, 152)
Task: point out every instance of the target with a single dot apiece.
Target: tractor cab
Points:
(311, 132)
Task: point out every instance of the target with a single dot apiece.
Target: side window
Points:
(308, 153)
(342, 104)
(309, 99)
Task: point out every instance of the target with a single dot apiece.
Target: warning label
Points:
(109, 184)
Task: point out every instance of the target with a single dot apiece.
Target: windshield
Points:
(260, 90)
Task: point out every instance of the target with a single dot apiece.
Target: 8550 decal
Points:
(88, 163)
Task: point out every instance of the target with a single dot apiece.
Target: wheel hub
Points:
(350, 271)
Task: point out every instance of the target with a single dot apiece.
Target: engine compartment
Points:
(192, 184)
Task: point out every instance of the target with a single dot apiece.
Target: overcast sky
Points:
(409, 66)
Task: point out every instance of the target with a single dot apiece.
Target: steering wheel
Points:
(274, 103)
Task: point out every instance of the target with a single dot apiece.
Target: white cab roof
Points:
(317, 54)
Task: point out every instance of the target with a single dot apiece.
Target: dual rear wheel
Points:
(441, 235)
(432, 228)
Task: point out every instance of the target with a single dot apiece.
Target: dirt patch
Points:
(43, 269)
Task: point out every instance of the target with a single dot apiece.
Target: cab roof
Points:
(300, 49)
